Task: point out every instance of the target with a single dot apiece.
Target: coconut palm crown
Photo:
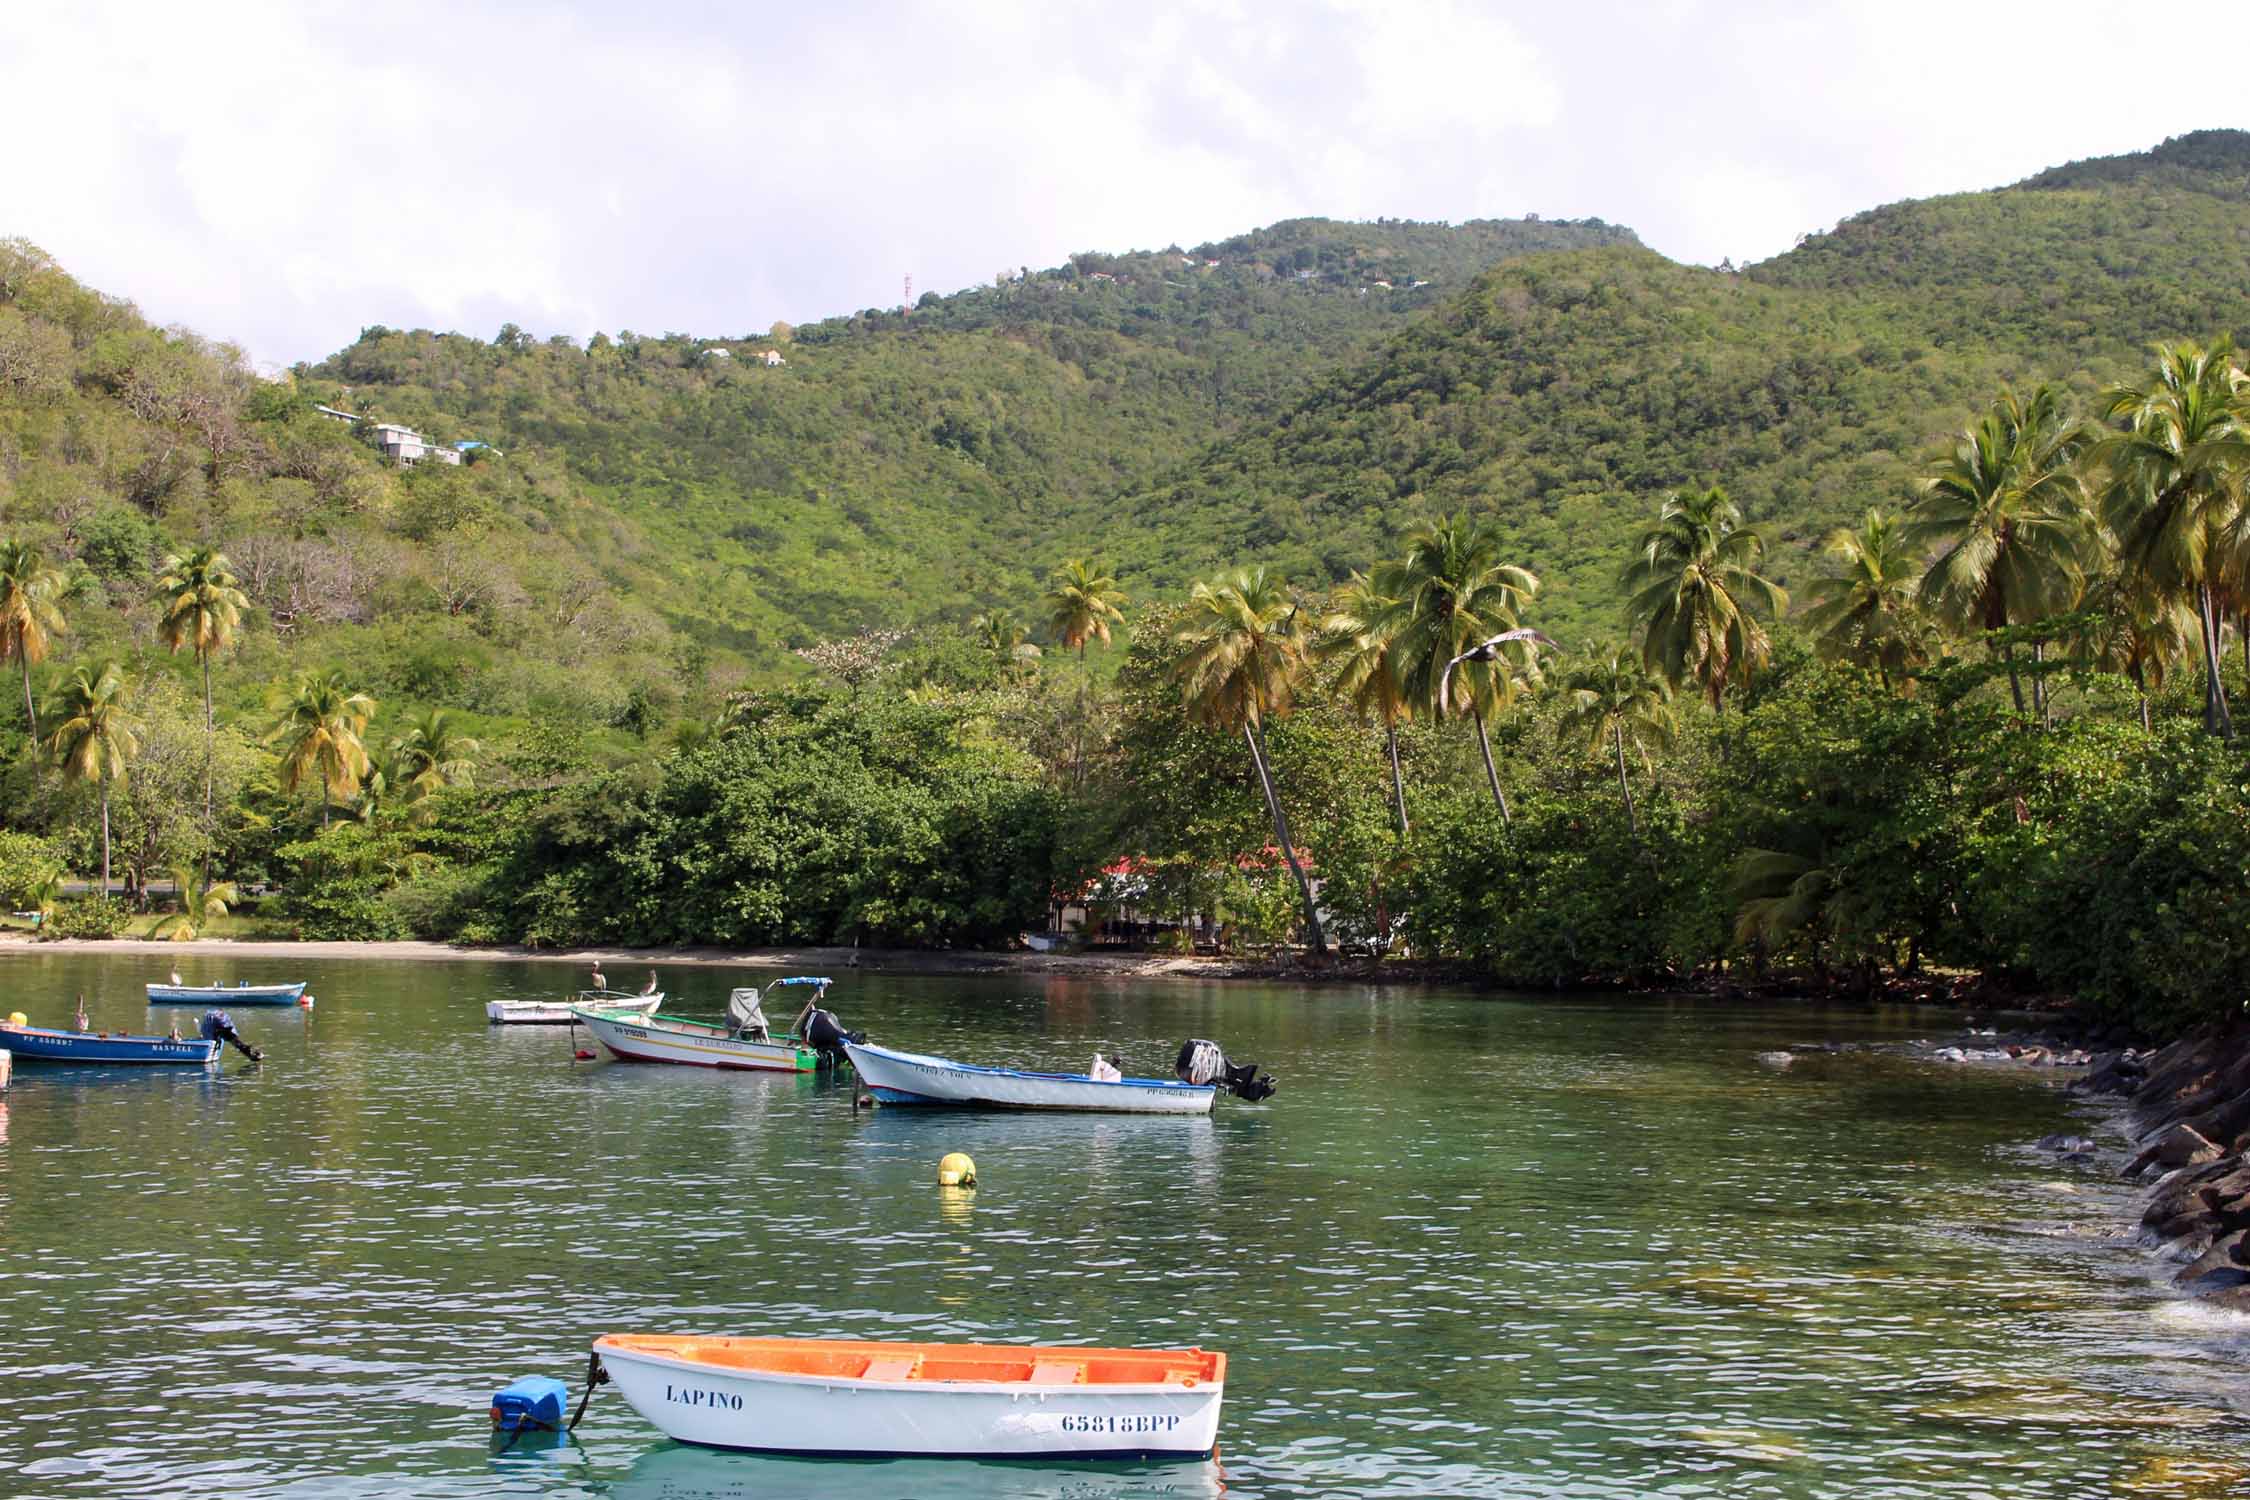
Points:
(1697, 596)
(2173, 482)
(1244, 657)
(30, 614)
(1452, 589)
(320, 734)
(96, 736)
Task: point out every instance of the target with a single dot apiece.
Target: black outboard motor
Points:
(1204, 1063)
(826, 1035)
(218, 1026)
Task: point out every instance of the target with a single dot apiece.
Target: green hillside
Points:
(902, 468)
(1563, 393)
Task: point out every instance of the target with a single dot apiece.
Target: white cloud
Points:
(282, 176)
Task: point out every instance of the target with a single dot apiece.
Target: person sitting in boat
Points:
(601, 980)
(1104, 1070)
(822, 1031)
(83, 1023)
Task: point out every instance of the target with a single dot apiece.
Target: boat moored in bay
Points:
(864, 1398)
(242, 992)
(912, 1078)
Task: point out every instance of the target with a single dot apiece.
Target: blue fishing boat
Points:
(242, 992)
(48, 1044)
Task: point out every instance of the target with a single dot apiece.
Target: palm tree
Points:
(1006, 637)
(2137, 630)
(2173, 493)
(200, 609)
(321, 730)
(430, 756)
(96, 736)
(1451, 591)
(30, 616)
(1356, 640)
(202, 902)
(1613, 700)
(1867, 612)
(1695, 592)
(1244, 660)
(1083, 602)
(2005, 508)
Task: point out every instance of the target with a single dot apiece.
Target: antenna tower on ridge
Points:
(906, 307)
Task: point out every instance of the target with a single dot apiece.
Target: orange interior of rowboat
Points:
(879, 1359)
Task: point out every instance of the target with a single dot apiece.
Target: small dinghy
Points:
(872, 1399)
(743, 1040)
(558, 1012)
(912, 1078)
(243, 992)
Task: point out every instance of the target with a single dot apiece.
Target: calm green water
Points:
(1472, 1248)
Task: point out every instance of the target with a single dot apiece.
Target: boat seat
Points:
(891, 1368)
(1059, 1372)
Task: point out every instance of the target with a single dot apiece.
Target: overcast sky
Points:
(284, 174)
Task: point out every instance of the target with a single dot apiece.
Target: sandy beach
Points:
(805, 960)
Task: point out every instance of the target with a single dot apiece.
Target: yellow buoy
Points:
(956, 1170)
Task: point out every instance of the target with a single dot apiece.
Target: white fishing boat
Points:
(875, 1399)
(912, 1078)
(743, 1040)
(557, 1012)
(242, 992)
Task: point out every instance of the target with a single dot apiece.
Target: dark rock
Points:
(2179, 1146)
(2069, 1145)
(2224, 1258)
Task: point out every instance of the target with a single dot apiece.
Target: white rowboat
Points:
(633, 1037)
(911, 1078)
(871, 1399)
(557, 1012)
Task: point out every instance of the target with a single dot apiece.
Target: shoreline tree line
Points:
(1996, 736)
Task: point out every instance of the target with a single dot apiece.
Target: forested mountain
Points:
(901, 468)
(1565, 392)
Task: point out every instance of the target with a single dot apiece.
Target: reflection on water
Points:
(1472, 1248)
(677, 1472)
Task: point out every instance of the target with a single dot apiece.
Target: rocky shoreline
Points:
(2189, 1104)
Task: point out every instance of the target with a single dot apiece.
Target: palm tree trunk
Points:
(1633, 818)
(1398, 782)
(2039, 682)
(210, 749)
(326, 796)
(1313, 929)
(1078, 757)
(2215, 715)
(2015, 680)
(105, 838)
(30, 715)
(1491, 773)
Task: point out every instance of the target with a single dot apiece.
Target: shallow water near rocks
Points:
(1474, 1247)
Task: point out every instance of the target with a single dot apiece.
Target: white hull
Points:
(659, 1039)
(557, 1012)
(910, 1078)
(829, 1415)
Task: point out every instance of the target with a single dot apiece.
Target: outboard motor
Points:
(1203, 1062)
(218, 1026)
(826, 1035)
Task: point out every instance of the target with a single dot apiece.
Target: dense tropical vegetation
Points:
(1852, 617)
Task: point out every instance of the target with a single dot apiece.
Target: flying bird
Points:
(1486, 651)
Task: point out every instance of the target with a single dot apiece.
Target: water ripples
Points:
(1472, 1249)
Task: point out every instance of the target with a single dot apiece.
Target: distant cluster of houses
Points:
(771, 358)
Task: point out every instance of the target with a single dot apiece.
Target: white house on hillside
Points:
(405, 446)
